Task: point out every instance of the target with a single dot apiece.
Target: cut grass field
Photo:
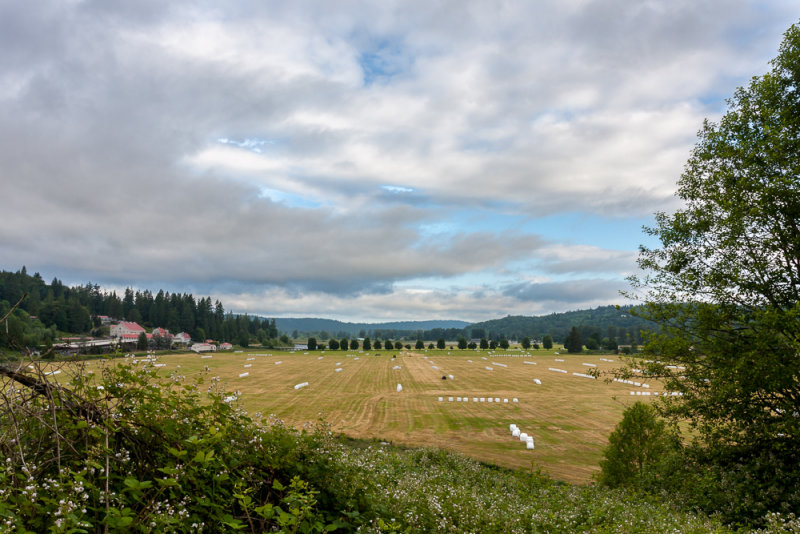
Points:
(570, 417)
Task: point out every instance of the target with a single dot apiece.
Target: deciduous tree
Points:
(724, 288)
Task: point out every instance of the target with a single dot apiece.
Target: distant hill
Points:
(620, 320)
(604, 321)
(308, 325)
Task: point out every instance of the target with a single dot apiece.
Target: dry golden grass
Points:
(570, 417)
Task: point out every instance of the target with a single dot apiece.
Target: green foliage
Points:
(573, 342)
(129, 452)
(462, 343)
(312, 343)
(639, 449)
(724, 287)
(366, 344)
(141, 343)
(547, 341)
(503, 344)
(440, 343)
(526, 343)
(419, 345)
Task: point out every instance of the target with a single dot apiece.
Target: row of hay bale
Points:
(631, 382)
(495, 400)
(522, 436)
(656, 393)
(584, 375)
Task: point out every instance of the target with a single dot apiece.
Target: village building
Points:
(125, 329)
(182, 338)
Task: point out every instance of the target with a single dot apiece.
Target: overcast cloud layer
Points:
(356, 160)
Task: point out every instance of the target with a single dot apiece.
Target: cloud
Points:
(567, 292)
(326, 154)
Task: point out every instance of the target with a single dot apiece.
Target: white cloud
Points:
(334, 187)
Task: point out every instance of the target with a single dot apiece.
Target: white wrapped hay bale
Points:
(523, 436)
(301, 385)
(338, 369)
(529, 363)
(505, 401)
(491, 399)
(529, 444)
(399, 388)
(512, 426)
(515, 432)
(515, 399)
(537, 381)
(451, 377)
(242, 375)
(441, 399)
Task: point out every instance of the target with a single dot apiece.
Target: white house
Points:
(203, 347)
(183, 338)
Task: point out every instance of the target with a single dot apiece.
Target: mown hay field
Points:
(570, 417)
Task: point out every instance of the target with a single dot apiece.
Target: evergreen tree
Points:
(573, 342)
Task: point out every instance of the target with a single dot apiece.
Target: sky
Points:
(361, 161)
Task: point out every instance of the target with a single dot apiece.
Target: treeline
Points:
(603, 325)
(49, 310)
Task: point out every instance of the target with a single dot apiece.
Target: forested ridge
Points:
(49, 310)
